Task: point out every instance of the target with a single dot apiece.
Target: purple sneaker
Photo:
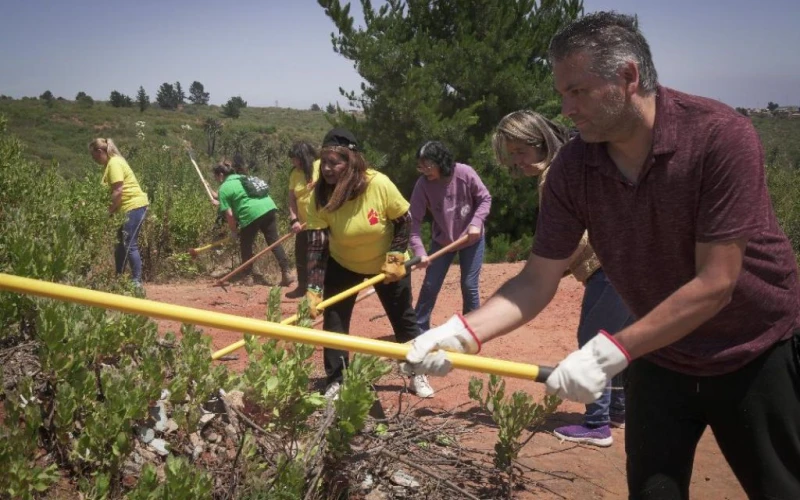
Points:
(598, 436)
(617, 420)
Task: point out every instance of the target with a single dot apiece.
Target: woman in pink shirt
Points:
(459, 203)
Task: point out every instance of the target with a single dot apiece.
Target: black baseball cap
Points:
(340, 137)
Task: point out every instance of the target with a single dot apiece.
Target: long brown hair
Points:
(305, 153)
(351, 184)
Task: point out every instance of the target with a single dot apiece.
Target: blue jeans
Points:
(603, 309)
(470, 260)
(127, 249)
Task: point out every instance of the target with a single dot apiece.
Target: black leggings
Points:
(301, 258)
(396, 300)
(754, 413)
(268, 226)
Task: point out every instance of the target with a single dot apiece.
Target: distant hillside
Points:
(59, 131)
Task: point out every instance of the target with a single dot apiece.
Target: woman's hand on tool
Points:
(296, 227)
(427, 353)
(314, 298)
(394, 267)
(473, 234)
(423, 263)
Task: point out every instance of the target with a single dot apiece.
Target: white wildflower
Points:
(164, 147)
(140, 124)
(186, 127)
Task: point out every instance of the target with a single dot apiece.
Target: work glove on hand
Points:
(585, 373)
(427, 353)
(394, 267)
(314, 298)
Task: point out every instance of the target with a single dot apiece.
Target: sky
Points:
(279, 52)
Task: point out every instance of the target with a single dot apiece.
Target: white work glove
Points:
(427, 353)
(585, 373)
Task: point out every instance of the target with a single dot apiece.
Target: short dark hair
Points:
(224, 168)
(438, 153)
(305, 153)
(611, 40)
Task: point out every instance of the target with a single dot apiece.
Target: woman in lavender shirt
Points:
(459, 204)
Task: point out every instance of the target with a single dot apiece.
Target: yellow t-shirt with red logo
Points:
(361, 230)
(118, 170)
(302, 189)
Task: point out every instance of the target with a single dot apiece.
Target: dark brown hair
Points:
(225, 168)
(305, 153)
(351, 184)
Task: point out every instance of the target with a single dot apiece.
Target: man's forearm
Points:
(679, 315)
(518, 301)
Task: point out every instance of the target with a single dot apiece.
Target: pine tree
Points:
(166, 97)
(450, 70)
(142, 99)
(179, 94)
(197, 94)
(233, 107)
(119, 100)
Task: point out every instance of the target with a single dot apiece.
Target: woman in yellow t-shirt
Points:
(126, 197)
(358, 226)
(302, 179)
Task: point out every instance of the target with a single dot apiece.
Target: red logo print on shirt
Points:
(372, 217)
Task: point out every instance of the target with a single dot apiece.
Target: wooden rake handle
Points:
(221, 281)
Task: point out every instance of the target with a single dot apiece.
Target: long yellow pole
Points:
(194, 251)
(347, 293)
(257, 327)
(322, 305)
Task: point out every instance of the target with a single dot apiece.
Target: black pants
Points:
(754, 413)
(268, 225)
(396, 300)
(301, 258)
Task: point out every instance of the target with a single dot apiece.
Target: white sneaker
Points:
(332, 391)
(420, 386)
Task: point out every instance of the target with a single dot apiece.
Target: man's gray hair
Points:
(610, 40)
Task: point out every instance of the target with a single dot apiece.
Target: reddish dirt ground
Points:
(546, 340)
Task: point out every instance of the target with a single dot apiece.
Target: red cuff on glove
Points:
(612, 339)
(469, 329)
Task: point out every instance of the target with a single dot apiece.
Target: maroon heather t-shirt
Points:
(705, 182)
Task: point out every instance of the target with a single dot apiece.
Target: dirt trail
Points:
(545, 341)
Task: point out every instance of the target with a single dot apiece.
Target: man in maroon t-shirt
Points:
(671, 188)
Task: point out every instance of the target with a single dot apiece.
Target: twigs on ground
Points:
(428, 472)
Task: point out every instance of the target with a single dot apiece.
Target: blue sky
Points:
(743, 53)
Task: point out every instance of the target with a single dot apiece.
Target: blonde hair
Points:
(533, 129)
(106, 145)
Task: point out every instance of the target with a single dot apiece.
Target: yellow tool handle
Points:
(257, 327)
(322, 305)
(214, 244)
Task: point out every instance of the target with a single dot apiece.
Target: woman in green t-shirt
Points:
(252, 215)
(126, 197)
